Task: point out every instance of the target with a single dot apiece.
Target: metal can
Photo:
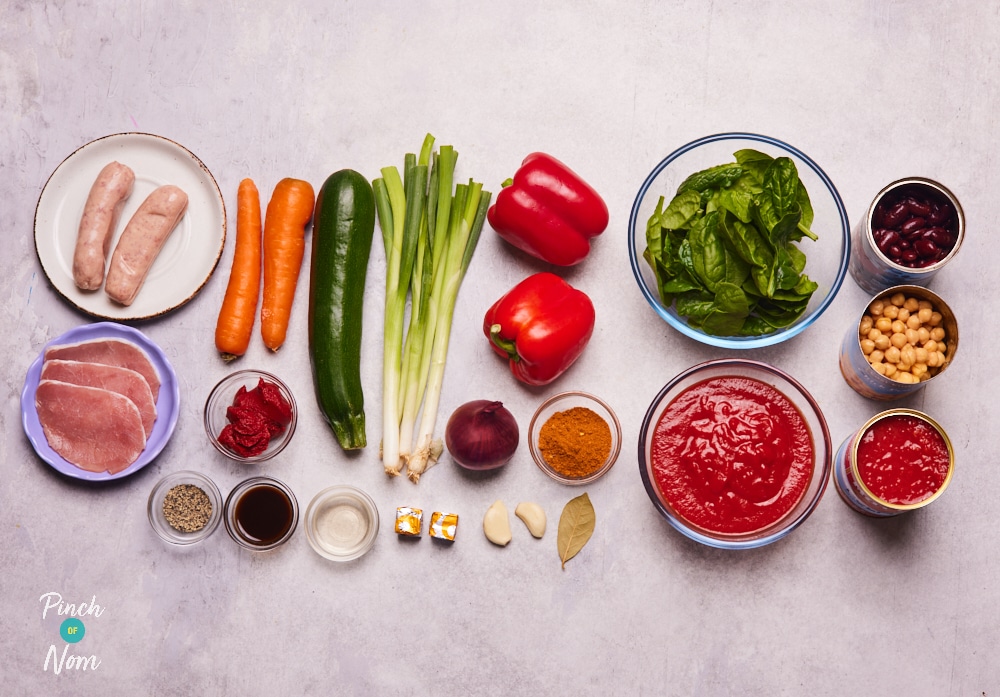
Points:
(854, 362)
(851, 485)
(873, 270)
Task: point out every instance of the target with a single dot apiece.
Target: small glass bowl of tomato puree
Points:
(250, 416)
(900, 460)
(734, 453)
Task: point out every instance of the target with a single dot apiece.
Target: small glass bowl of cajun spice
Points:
(574, 437)
(250, 416)
(185, 507)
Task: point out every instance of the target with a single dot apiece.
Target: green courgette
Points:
(343, 226)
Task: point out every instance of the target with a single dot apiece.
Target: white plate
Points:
(189, 255)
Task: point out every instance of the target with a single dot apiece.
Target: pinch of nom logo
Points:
(71, 631)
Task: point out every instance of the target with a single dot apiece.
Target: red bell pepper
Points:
(547, 211)
(541, 325)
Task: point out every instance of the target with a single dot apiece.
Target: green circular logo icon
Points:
(71, 630)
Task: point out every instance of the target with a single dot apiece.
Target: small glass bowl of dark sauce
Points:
(261, 513)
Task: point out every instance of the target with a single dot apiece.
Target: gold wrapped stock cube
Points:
(443, 525)
(409, 521)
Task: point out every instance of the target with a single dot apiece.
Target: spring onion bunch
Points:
(430, 233)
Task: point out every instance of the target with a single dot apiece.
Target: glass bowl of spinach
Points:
(739, 240)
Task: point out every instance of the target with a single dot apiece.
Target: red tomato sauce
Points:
(732, 455)
(903, 459)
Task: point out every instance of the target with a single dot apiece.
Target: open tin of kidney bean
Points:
(932, 338)
(899, 461)
(913, 227)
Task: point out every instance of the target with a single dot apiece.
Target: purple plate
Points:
(167, 402)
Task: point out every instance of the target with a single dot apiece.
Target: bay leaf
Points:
(576, 525)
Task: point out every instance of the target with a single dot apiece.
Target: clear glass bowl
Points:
(241, 531)
(157, 519)
(826, 259)
(341, 523)
(221, 398)
(563, 402)
(807, 407)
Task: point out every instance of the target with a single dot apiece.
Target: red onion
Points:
(481, 435)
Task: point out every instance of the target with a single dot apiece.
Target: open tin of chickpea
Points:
(912, 228)
(905, 338)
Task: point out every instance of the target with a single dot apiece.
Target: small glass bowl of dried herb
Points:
(185, 507)
(574, 437)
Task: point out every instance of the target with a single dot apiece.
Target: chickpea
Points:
(933, 359)
(897, 299)
(937, 333)
(879, 368)
(924, 315)
(913, 322)
(874, 333)
(918, 369)
(898, 340)
(866, 325)
(923, 335)
(890, 311)
(941, 358)
(884, 325)
(882, 342)
(922, 355)
(935, 319)
(925, 305)
(892, 354)
(876, 356)
(867, 346)
(897, 327)
(904, 377)
(908, 355)
(911, 304)
(876, 308)
(903, 314)
(925, 377)
(930, 345)
(912, 337)
(890, 369)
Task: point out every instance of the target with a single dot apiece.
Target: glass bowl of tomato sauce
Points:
(250, 416)
(717, 269)
(734, 453)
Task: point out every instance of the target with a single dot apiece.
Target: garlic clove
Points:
(533, 517)
(496, 524)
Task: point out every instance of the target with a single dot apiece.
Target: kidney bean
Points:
(894, 252)
(940, 214)
(905, 244)
(925, 248)
(912, 225)
(887, 239)
(896, 215)
(878, 216)
(918, 207)
(909, 255)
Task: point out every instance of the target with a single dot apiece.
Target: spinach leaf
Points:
(708, 255)
(718, 177)
(747, 242)
(681, 210)
(731, 308)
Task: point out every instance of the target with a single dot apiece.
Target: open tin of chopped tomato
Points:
(900, 460)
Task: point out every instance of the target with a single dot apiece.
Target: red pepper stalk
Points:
(548, 211)
(541, 326)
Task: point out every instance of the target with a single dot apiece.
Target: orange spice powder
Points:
(576, 442)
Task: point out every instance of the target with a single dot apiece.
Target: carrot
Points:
(288, 213)
(239, 306)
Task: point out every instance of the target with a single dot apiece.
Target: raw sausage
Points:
(97, 225)
(142, 240)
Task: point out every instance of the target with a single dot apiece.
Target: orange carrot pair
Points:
(282, 247)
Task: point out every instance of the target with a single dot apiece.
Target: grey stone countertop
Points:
(845, 605)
